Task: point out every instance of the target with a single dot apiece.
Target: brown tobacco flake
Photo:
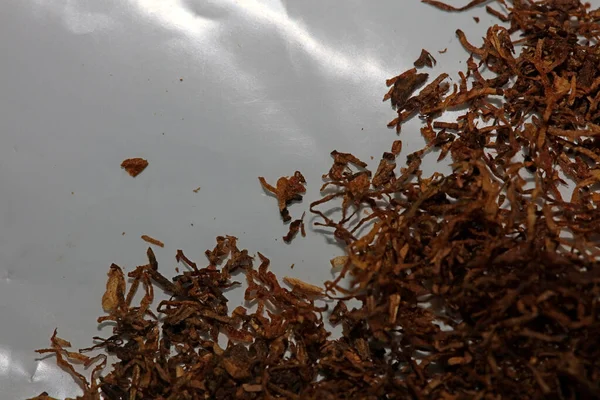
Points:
(341, 163)
(196, 190)
(397, 147)
(134, 166)
(114, 297)
(403, 86)
(295, 227)
(443, 51)
(425, 59)
(287, 190)
(153, 241)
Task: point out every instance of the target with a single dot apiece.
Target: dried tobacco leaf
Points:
(134, 166)
(425, 59)
(114, 297)
(287, 190)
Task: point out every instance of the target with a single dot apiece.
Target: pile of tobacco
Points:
(479, 284)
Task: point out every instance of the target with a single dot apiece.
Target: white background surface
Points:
(269, 87)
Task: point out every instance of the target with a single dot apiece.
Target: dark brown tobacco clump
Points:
(480, 284)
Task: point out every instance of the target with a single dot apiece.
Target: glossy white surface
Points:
(269, 87)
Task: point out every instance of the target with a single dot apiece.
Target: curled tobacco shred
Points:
(134, 166)
(286, 190)
(483, 283)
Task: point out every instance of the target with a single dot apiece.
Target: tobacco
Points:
(153, 241)
(481, 283)
(425, 59)
(134, 166)
(287, 190)
(295, 227)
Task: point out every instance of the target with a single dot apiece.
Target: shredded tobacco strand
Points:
(153, 241)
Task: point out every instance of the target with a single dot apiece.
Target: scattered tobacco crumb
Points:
(134, 166)
(123, 234)
(425, 59)
(476, 19)
(295, 227)
(197, 189)
(443, 51)
(153, 241)
(286, 190)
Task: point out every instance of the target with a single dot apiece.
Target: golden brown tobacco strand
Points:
(153, 241)
(134, 166)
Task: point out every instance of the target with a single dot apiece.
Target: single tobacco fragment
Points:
(425, 59)
(295, 226)
(302, 286)
(341, 163)
(134, 166)
(153, 241)
(286, 190)
(114, 297)
(403, 86)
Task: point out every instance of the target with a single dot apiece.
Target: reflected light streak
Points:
(174, 14)
(339, 62)
(5, 366)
